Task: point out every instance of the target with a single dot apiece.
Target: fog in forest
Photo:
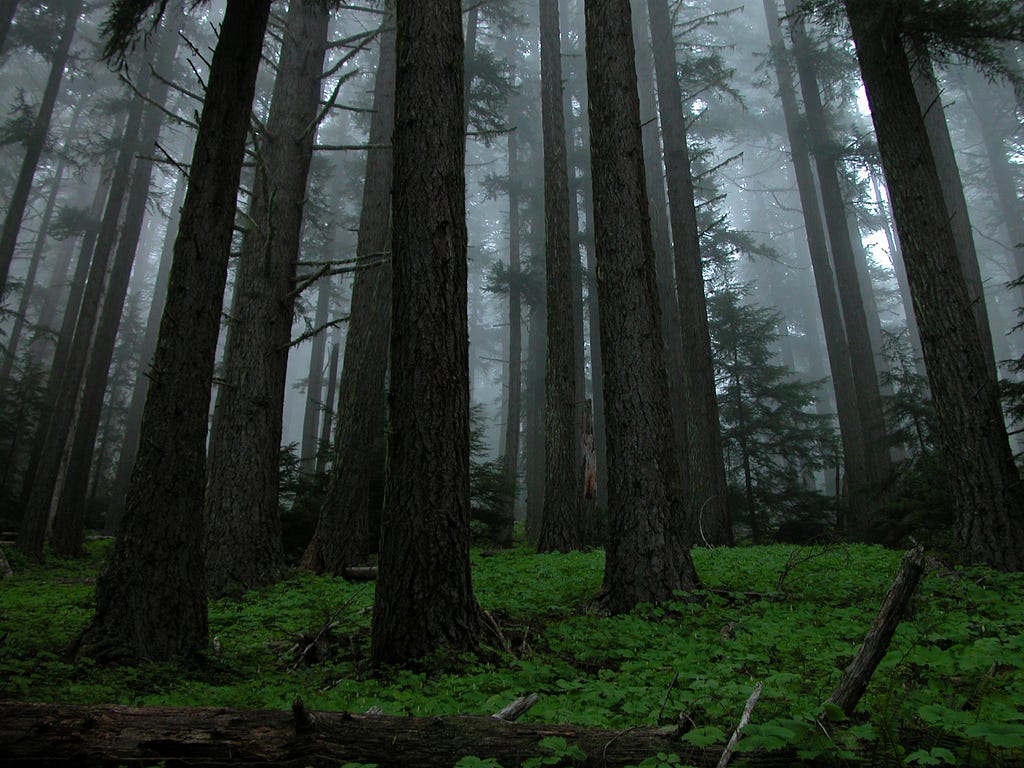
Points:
(778, 186)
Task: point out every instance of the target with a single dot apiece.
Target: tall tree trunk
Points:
(327, 418)
(133, 418)
(514, 415)
(661, 238)
(60, 422)
(850, 430)
(929, 100)
(858, 335)
(986, 488)
(37, 139)
(243, 529)
(535, 424)
(424, 598)
(315, 379)
(560, 522)
(69, 520)
(648, 554)
(356, 487)
(7, 9)
(151, 599)
(707, 491)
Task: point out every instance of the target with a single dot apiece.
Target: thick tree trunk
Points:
(985, 485)
(34, 146)
(850, 430)
(560, 522)
(858, 336)
(648, 554)
(356, 487)
(151, 599)
(133, 418)
(424, 598)
(60, 421)
(706, 493)
(69, 520)
(243, 529)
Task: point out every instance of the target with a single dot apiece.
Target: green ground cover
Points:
(949, 692)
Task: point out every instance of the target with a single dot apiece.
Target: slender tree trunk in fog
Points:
(424, 598)
(356, 487)
(535, 462)
(661, 238)
(648, 553)
(514, 415)
(986, 488)
(930, 101)
(850, 430)
(243, 528)
(327, 417)
(37, 139)
(151, 599)
(60, 421)
(69, 521)
(858, 336)
(133, 419)
(707, 490)
(315, 379)
(560, 522)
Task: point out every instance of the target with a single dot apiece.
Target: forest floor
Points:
(949, 691)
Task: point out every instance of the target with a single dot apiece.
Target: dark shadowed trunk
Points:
(424, 599)
(133, 418)
(535, 424)
(151, 599)
(243, 529)
(707, 490)
(648, 553)
(7, 9)
(327, 417)
(356, 486)
(986, 488)
(37, 139)
(315, 379)
(560, 522)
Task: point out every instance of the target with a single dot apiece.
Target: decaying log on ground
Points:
(857, 675)
(206, 737)
(360, 573)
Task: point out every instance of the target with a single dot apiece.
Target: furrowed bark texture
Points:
(706, 492)
(560, 522)
(151, 600)
(424, 598)
(647, 557)
(986, 488)
(356, 487)
(243, 529)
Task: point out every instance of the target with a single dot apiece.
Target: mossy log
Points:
(206, 737)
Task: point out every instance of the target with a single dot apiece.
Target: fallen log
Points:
(205, 737)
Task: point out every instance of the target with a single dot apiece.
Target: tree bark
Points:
(72, 496)
(535, 424)
(7, 9)
(356, 487)
(850, 430)
(858, 336)
(327, 418)
(151, 599)
(707, 490)
(315, 379)
(560, 521)
(986, 488)
(648, 554)
(424, 598)
(243, 528)
(34, 146)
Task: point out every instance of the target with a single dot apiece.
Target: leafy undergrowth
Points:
(949, 691)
